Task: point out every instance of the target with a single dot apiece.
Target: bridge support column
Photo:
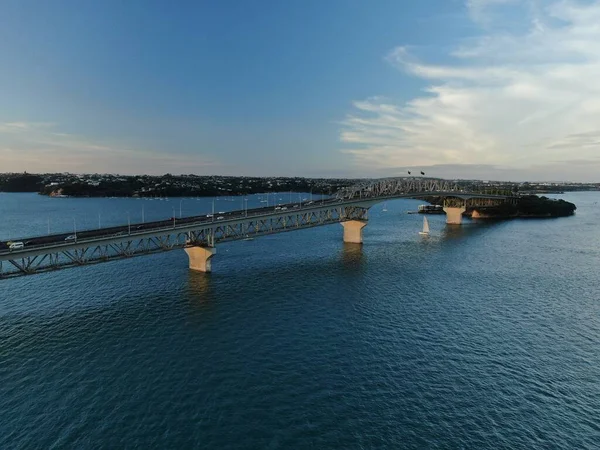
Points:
(353, 231)
(200, 257)
(454, 214)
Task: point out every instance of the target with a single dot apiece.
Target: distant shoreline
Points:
(98, 185)
(234, 194)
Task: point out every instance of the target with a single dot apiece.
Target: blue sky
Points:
(307, 88)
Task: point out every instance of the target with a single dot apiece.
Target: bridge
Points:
(198, 235)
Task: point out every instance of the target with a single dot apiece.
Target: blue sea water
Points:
(483, 336)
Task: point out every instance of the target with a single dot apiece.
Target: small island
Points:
(528, 206)
(525, 206)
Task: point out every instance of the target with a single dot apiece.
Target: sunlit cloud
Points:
(40, 147)
(515, 99)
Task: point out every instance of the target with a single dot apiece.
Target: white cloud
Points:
(19, 127)
(38, 147)
(508, 99)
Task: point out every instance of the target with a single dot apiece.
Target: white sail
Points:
(425, 227)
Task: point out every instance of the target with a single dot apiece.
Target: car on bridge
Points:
(15, 245)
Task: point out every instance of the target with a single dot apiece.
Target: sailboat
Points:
(425, 227)
(385, 207)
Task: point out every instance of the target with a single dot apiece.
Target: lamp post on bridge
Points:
(180, 203)
(75, 229)
(173, 217)
(246, 211)
(128, 223)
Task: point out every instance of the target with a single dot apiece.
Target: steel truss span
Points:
(93, 251)
(390, 187)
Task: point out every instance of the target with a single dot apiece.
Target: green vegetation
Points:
(21, 183)
(99, 185)
(528, 206)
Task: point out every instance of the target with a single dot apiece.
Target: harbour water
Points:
(483, 336)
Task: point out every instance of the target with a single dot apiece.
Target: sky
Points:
(476, 89)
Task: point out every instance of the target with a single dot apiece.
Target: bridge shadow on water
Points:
(352, 256)
(253, 278)
(265, 282)
(254, 281)
(199, 284)
(453, 232)
(201, 294)
(204, 291)
(346, 262)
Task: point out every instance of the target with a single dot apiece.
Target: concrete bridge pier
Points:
(454, 214)
(200, 257)
(454, 209)
(353, 231)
